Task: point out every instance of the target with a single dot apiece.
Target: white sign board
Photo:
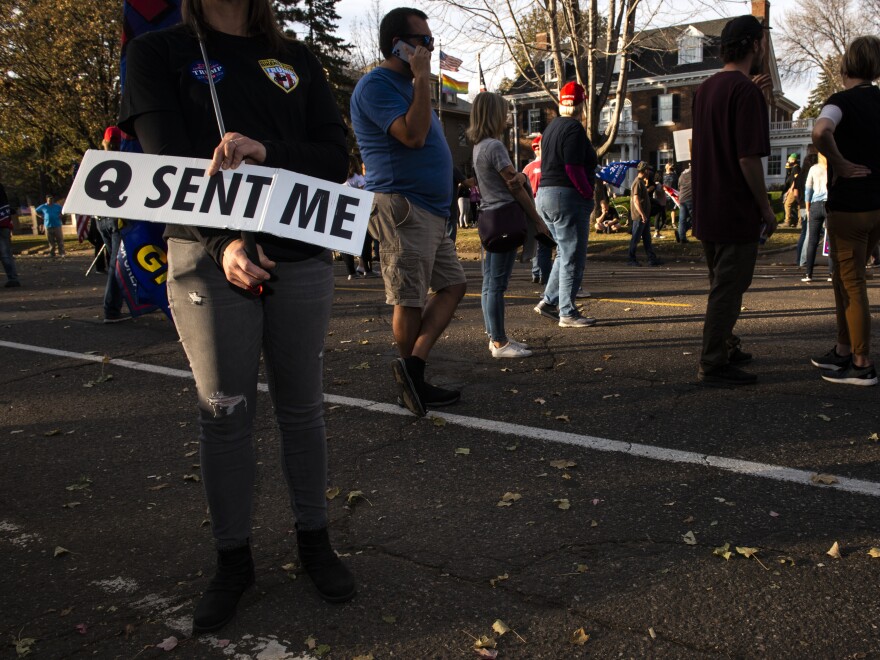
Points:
(682, 141)
(251, 198)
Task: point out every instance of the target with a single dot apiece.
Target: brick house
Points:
(668, 64)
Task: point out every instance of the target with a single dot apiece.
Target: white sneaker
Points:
(510, 350)
(582, 294)
(576, 321)
(830, 279)
(510, 341)
(806, 278)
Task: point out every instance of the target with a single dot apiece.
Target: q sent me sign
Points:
(257, 199)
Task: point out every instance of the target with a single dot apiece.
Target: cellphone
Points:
(403, 50)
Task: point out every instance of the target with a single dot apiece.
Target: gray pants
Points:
(55, 237)
(223, 331)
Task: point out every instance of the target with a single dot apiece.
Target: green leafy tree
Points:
(828, 84)
(59, 86)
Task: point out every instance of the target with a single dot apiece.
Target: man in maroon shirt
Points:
(731, 207)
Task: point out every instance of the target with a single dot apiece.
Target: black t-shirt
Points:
(281, 99)
(565, 143)
(730, 122)
(858, 140)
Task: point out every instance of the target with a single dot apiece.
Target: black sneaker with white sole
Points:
(410, 380)
(852, 375)
(547, 310)
(831, 361)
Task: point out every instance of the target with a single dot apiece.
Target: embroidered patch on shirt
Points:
(281, 74)
(198, 71)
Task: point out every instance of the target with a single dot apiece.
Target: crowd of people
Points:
(234, 299)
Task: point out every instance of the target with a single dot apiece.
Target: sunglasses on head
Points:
(426, 39)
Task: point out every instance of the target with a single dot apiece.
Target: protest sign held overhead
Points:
(251, 198)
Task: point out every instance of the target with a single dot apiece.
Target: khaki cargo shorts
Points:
(415, 251)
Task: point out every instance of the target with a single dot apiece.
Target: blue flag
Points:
(142, 265)
(614, 173)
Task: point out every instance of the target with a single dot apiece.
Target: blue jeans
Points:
(567, 215)
(109, 230)
(815, 224)
(497, 267)
(6, 254)
(542, 262)
(684, 220)
(641, 230)
(801, 253)
(224, 332)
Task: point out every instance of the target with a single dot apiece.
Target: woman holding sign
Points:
(280, 112)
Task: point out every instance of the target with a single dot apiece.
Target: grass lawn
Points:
(617, 244)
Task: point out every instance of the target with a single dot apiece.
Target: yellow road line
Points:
(611, 300)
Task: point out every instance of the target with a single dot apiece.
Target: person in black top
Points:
(847, 133)
(279, 111)
(792, 190)
(6, 256)
(565, 200)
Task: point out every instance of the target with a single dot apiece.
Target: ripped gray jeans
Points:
(223, 332)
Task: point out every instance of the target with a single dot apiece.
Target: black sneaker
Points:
(436, 397)
(547, 310)
(535, 279)
(726, 375)
(116, 317)
(633, 262)
(831, 361)
(11, 284)
(410, 387)
(656, 262)
(852, 375)
(737, 356)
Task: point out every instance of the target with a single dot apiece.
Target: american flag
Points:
(448, 62)
(82, 227)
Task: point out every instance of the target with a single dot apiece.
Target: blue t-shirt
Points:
(423, 176)
(51, 214)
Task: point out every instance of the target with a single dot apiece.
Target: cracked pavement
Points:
(107, 472)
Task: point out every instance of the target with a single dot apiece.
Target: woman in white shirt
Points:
(815, 196)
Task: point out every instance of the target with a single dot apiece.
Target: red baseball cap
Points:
(113, 134)
(537, 141)
(572, 94)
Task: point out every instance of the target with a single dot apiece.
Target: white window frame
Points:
(665, 156)
(550, 73)
(775, 158)
(664, 110)
(533, 116)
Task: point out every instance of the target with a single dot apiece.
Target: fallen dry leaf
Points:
(747, 552)
(486, 653)
(438, 421)
(49, 434)
(167, 644)
(60, 552)
(723, 552)
(511, 497)
(70, 505)
(874, 552)
(192, 477)
(874, 437)
(563, 418)
(824, 418)
(500, 627)
(824, 479)
(689, 538)
(23, 646)
(333, 492)
(581, 568)
(389, 618)
(161, 486)
(464, 451)
(354, 496)
(563, 504)
(835, 551)
(540, 401)
(485, 642)
(368, 656)
(652, 633)
(579, 637)
(498, 579)
(562, 464)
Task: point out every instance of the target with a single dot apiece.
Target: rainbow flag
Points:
(451, 86)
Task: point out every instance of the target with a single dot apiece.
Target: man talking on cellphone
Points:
(409, 168)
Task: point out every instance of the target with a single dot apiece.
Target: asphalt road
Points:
(659, 473)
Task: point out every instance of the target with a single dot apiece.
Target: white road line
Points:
(738, 466)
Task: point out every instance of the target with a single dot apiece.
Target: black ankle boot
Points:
(235, 573)
(332, 579)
